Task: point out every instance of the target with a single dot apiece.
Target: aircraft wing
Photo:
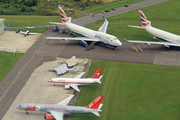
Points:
(56, 23)
(103, 28)
(75, 86)
(22, 32)
(62, 69)
(32, 33)
(80, 75)
(167, 44)
(73, 38)
(66, 100)
(57, 115)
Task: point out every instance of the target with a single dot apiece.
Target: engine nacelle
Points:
(17, 31)
(67, 86)
(84, 43)
(48, 117)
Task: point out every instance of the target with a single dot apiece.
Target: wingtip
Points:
(125, 39)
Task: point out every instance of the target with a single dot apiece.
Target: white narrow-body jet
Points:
(57, 111)
(63, 69)
(87, 34)
(28, 32)
(77, 81)
(169, 39)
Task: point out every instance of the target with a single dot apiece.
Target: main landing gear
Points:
(27, 112)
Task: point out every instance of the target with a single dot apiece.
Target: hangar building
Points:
(2, 25)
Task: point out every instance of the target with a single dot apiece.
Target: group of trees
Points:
(90, 2)
(25, 5)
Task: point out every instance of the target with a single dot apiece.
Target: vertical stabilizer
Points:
(97, 74)
(63, 15)
(144, 21)
(95, 103)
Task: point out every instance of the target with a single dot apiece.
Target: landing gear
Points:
(113, 48)
(54, 84)
(27, 112)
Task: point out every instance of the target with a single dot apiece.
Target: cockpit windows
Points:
(115, 38)
(19, 105)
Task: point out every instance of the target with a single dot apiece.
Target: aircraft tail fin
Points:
(97, 74)
(95, 104)
(144, 21)
(64, 16)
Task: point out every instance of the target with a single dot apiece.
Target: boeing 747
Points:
(87, 34)
(169, 39)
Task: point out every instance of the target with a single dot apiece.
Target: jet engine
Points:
(84, 43)
(17, 31)
(67, 86)
(48, 117)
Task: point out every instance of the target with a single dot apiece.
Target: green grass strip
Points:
(7, 61)
(133, 91)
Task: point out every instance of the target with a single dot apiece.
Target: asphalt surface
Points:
(43, 50)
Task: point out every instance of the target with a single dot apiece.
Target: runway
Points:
(43, 50)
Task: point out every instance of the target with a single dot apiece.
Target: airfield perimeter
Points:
(44, 50)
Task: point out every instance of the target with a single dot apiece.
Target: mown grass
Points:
(100, 8)
(133, 91)
(164, 16)
(31, 20)
(7, 61)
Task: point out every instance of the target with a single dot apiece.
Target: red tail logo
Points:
(95, 103)
(97, 74)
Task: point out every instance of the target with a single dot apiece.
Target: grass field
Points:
(133, 91)
(164, 16)
(30, 20)
(7, 61)
(100, 8)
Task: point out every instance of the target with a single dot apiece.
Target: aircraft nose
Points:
(119, 43)
(18, 107)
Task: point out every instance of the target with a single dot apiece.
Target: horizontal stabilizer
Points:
(96, 113)
(99, 80)
(57, 23)
(100, 106)
(75, 68)
(136, 26)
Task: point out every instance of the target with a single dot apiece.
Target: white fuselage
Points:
(26, 33)
(102, 37)
(163, 35)
(65, 81)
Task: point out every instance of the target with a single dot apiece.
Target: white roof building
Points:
(2, 25)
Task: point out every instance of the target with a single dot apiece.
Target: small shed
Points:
(2, 25)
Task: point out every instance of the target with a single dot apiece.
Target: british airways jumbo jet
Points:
(169, 39)
(88, 34)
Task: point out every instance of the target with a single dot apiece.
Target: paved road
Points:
(43, 50)
(88, 19)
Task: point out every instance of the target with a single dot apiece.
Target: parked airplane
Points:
(73, 61)
(57, 111)
(88, 34)
(169, 38)
(75, 82)
(63, 69)
(28, 32)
